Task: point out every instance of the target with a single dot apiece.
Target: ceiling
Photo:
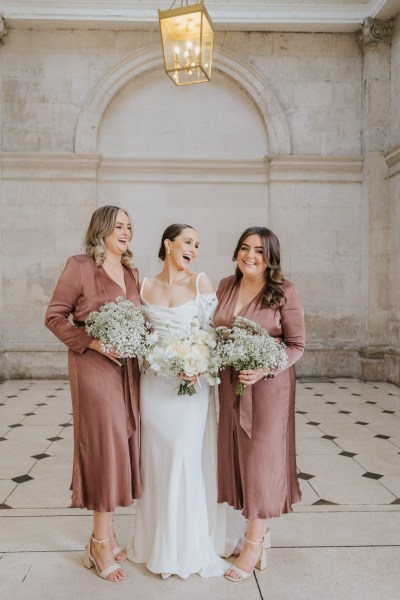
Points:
(243, 15)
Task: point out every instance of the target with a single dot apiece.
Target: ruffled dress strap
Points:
(207, 304)
(197, 284)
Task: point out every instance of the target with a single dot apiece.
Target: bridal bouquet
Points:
(247, 345)
(192, 353)
(121, 327)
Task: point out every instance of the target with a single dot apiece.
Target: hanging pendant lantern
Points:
(187, 37)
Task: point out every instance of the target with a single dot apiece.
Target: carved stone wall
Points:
(298, 99)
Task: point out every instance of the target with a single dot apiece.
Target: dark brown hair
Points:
(273, 294)
(171, 233)
(102, 224)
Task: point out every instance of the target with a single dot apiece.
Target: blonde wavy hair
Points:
(101, 225)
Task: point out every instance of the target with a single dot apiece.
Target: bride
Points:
(175, 524)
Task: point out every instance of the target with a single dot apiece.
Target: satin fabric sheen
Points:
(175, 524)
(256, 435)
(105, 396)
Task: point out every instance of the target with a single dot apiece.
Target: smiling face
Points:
(117, 241)
(250, 257)
(183, 249)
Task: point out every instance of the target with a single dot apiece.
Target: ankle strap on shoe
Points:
(100, 541)
(245, 539)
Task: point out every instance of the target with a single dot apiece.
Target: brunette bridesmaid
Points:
(256, 437)
(104, 395)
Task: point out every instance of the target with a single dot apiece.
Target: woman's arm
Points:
(292, 322)
(67, 292)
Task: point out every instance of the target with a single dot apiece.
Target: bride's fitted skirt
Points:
(171, 532)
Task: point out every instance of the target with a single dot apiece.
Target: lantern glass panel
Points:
(187, 38)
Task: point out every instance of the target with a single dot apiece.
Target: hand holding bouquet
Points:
(247, 345)
(120, 327)
(192, 353)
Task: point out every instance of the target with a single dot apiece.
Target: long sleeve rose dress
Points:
(256, 436)
(105, 396)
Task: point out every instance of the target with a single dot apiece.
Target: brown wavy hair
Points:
(171, 233)
(273, 295)
(102, 224)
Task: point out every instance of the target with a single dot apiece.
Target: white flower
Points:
(121, 327)
(192, 353)
(249, 346)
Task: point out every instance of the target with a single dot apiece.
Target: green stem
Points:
(186, 389)
(239, 388)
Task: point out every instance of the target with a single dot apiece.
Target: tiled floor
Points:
(342, 542)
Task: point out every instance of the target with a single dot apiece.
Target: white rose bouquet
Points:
(192, 353)
(247, 345)
(121, 327)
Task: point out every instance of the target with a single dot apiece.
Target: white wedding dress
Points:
(176, 528)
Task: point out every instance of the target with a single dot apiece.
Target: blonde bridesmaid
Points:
(104, 395)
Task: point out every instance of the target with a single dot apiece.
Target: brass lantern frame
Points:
(192, 64)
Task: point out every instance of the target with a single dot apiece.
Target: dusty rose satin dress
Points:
(256, 436)
(105, 397)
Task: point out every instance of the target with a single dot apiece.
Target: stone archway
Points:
(147, 59)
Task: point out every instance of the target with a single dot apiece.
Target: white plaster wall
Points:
(47, 75)
(216, 122)
(315, 207)
(318, 81)
(43, 221)
(219, 212)
(152, 117)
(318, 225)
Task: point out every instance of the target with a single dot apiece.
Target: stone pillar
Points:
(375, 43)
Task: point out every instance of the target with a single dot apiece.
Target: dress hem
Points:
(102, 509)
(272, 515)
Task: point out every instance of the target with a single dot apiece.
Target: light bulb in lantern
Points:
(187, 38)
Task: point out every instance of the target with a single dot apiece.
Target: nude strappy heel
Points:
(90, 562)
(261, 563)
(117, 550)
(267, 543)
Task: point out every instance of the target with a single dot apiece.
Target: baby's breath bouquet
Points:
(247, 345)
(193, 353)
(120, 327)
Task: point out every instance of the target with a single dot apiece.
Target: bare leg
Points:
(121, 556)
(102, 553)
(250, 554)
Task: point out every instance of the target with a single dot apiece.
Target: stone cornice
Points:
(374, 31)
(332, 169)
(290, 168)
(168, 170)
(251, 15)
(392, 157)
(43, 165)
